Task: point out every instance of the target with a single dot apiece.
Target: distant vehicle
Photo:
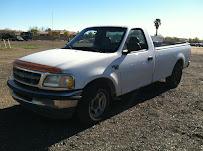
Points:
(26, 36)
(200, 44)
(97, 66)
(19, 38)
(197, 44)
(192, 44)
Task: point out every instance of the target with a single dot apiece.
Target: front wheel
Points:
(94, 104)
(175, 78)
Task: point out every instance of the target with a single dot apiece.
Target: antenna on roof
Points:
(52, 27)
(52, 19)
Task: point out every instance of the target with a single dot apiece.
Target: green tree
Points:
(66, 34)
(34, 30)
(194, 40)
(48, 29)
(157, 23)
(190, 40)
(171, 40)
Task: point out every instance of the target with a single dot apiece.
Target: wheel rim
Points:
(97, 105)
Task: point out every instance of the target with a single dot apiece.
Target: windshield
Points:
(98, 39)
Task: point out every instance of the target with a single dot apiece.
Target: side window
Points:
(137, 37)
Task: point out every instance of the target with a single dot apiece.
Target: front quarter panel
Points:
(92, 70)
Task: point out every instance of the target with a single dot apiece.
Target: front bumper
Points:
(46, 102)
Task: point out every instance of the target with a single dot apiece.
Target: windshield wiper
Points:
(83, 48)
(67, 47)
(95, 50)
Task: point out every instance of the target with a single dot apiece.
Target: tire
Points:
(94, 104)
(175, 78)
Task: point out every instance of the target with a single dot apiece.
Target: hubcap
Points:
(97, 105)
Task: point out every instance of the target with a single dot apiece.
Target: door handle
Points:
(150, 58)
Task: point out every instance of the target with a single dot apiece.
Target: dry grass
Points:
(7, 56)
(197, 50)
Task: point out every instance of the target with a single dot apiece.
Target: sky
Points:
(180, 18)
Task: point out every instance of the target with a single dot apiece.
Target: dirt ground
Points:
(155, 118)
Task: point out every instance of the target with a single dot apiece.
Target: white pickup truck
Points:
(98, 65)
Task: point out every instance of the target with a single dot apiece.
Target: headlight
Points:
(59, 81)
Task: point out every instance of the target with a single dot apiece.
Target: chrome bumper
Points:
(56, 104)
(44, 98)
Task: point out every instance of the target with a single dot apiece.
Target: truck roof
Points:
(128, 27)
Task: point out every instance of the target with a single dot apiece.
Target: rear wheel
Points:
(94, 104)
(174, 80)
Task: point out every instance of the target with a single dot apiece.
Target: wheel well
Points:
(181, 62)
(105, 82)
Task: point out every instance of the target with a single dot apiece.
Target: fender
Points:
(181, 56)
(113, 77)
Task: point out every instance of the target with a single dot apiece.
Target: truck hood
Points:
(66, 58)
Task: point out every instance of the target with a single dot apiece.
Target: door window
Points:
(137, 37)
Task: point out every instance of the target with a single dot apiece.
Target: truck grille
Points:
(26, 77)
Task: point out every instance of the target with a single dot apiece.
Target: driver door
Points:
(137, 66)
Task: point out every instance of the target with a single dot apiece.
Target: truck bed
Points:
(167, 56)
(166, 45)
(163, 44)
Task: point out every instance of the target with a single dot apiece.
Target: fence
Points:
(6, 44)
